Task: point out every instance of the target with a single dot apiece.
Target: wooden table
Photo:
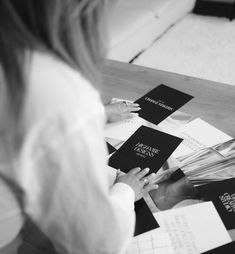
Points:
(213, 102)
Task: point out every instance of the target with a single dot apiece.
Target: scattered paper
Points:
(193, 229)
(145, 148)
(161, 102)
(155, 241)
(122, 130)
(198, 135)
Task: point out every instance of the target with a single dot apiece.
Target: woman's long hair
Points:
(72, 30)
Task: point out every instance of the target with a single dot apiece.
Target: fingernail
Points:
(147, 169)
(118, 171)
(134, 114)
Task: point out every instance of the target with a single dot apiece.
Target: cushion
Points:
(128, 15)
(124, 19)
(135, 33)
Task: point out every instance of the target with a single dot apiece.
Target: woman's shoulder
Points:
(55, 87)
(51, 72)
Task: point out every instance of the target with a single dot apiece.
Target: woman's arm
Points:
(67, 189)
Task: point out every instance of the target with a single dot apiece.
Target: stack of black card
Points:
(148, 147)
(145, 220)
(161, 102)
(111, 149)
(145, 148)
(222, 194)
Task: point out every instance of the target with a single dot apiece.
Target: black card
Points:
(225, 249)
(111, 149)
(222, 194)
(145, 220)
(145, 148)
(177, 175)
(161, 102)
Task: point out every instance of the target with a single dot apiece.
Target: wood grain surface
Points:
(213, 102)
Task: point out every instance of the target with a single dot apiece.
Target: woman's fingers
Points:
(142, 173)
(150, 178)
(134, 171)
(149, 183)
(139, 181)
(127, 115)
(128, 106)
(150, 187)
(121, 110)
(133, 108)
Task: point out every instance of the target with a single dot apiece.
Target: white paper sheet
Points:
(197, 135)
(124, 129)
(155, 241)
(193, 229)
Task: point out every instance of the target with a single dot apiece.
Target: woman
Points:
(51, 122)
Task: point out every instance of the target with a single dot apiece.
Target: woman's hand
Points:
(116, 111)
(138, 181)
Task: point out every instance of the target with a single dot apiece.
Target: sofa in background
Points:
(135, 24)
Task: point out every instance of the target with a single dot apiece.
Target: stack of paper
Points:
(198, 135)
(210, 164)
(192, 229)
(205, 155)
